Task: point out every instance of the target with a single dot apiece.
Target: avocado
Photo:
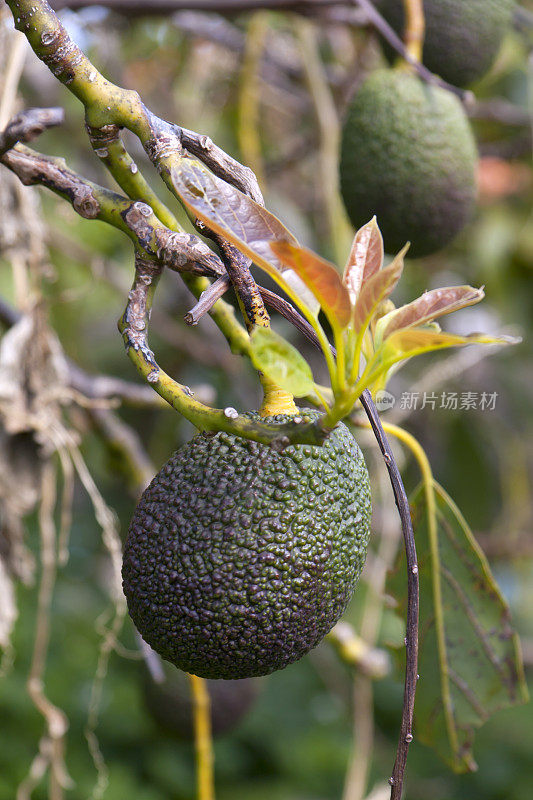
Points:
(408, 156)
(239, 559)
(462, 38)
(170, 702)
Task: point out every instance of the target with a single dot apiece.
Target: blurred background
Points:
(271, 89)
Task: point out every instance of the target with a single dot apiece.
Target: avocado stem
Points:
(415, 28)
(275, 400)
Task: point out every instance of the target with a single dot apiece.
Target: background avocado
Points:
(170, 704)
(408, 156)
(240, 559)
(463, 37)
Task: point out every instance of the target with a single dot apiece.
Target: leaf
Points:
(411, 342)
(376, 289)
(320, 277)
(366, 258)
(469, 657)
(240, 220)
(281, 362)
(434, 303)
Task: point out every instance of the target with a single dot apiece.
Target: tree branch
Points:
(28, 125)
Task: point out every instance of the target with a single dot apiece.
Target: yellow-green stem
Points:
(414, 27)
(202, 738)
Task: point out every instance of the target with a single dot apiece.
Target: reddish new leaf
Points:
(240, 220)
(376, 289)
(320, 277)
(430, 305)
(366, 258)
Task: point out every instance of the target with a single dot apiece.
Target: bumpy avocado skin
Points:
(170, 704)
(463, 37)
(240, 559)
(408, 156)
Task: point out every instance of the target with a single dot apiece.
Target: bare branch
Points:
(220, 163)
(207, 300)
(411, 637)
(28, 125)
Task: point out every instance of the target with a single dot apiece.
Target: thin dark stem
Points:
(382, 26)
(411, 636)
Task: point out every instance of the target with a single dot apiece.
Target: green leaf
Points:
(469, 658)
(427, 307)
(414, 341)
(321, 278)
(376, 289)
(281, 362)
(366, 258)
(240, 220)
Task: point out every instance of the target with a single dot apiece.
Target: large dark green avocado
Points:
(408, 156)
(463, 37)
(169, 702)
(239, 559)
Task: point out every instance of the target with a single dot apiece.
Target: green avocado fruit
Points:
(462, 38)
(169, 702)
(408, 156)
(239, 559)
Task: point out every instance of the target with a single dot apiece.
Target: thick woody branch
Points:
(181, 252)
(134, 328)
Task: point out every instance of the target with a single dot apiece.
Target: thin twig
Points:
(220, 163)
(363, 705)
(28, 125)
(411, 637)
(207, 300)
(383, 27)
